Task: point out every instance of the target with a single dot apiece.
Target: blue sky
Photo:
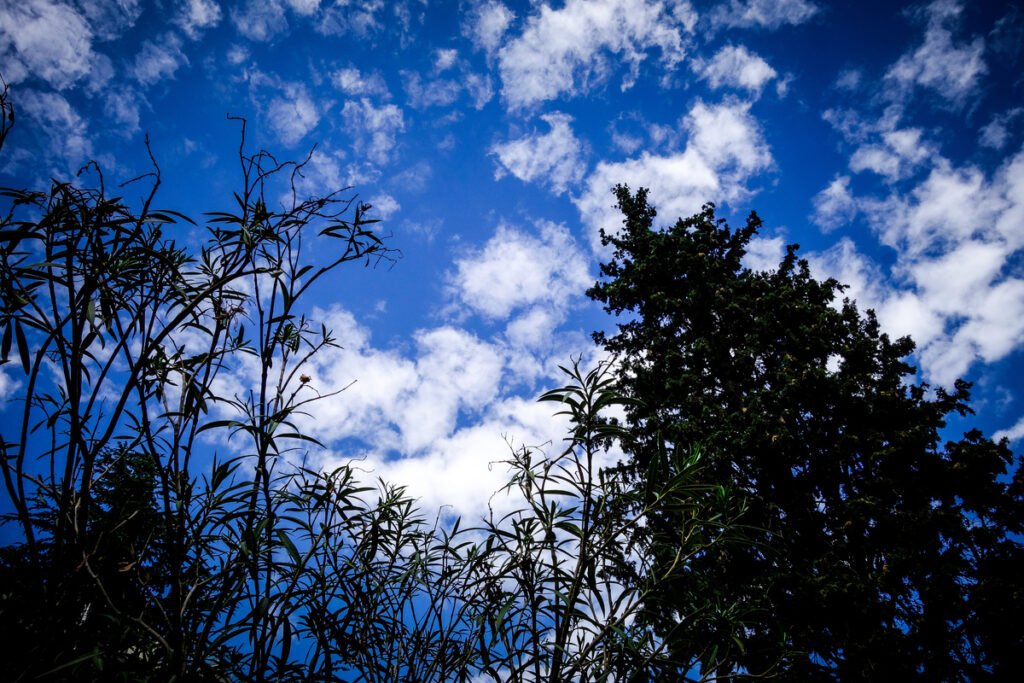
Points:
(885, 139)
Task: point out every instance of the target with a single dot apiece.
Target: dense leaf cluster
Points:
(879, 552)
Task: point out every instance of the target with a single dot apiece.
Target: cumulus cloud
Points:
(949, 69)
(195, 16)
(47, 40)
(442, 91)
(834, 206)
(764, 253)
(293, 115)
(461, 473)
(736, 67)
(487, 23)
(325, 172)
(401, 403)
(439, 92)
(259, 19)
(996, 132)
(897, 154)
(361, 17)
(384, 205)
(159, 59)
(435, 416)
(769, 14)
(954, 235)
(353, 82)
(849, 79)
(947, 207)
(555, 158)
(445, 59)
(1014, 433)
(725, 148)
(568, 50)
(516, 270)
(304, 7)
(373, 129)
(8, 386)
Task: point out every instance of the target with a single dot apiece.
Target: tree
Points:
(879, 552)
(120, 329)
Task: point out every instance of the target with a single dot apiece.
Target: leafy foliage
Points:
(121, 332)
(879, 551)
(573, 582)
(143, 348)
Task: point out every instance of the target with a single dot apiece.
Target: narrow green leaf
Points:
(26, 362)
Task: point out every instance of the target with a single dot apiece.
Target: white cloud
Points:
(770, 14)
(764, 253)
(555, 158)
(461, 473)
(121, 106)
(479, 88)
(438, 92)
(996, 134)
(849, 79)
(292, 116)
(445, 59)
(259, 19)
(725, 148)
(457, 372)
(374, 129)
(355, 16)
(237, 54)
(44, 39)
(433, 417)
(728, 136)
(398, 403)
(939, 212)
(487, 24)
(384, 205)
(304, 8)
(516, 270)
(950, 70)
(8, 386)
(159, 59)
(415, 178)
(353, 82)
(109, 19)
(954, 235)
(195, 16)
(898, 154)
(1014, 433)
(834, 206)
(567, 50)
(67, 131)
(326, 171)
(736, 67)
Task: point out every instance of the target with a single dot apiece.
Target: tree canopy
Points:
(879, 550)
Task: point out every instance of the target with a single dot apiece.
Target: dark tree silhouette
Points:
(881, 552)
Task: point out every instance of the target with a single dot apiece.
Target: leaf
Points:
(289, 546)
(22, 347)
(5, 347)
